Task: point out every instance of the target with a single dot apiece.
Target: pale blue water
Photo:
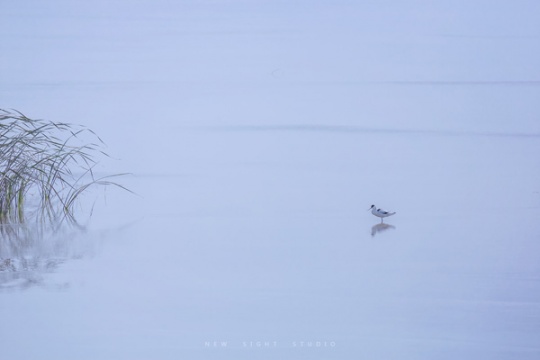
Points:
(258, 136)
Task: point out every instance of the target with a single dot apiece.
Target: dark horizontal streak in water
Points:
(356, 129)
(270, 80)
(466, 82)
(495, 37)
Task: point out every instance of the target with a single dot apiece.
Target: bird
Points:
(380, 213)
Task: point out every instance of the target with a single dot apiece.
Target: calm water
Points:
(258, 136)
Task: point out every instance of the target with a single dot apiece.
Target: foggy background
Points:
(257, 134)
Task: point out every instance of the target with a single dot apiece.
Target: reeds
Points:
(44, 167)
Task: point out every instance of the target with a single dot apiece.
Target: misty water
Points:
(257, 136)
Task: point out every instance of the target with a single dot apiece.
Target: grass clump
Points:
(44, 167)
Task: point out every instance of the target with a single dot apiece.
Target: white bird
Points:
(380, 212)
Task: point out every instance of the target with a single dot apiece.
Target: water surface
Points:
(258, 136)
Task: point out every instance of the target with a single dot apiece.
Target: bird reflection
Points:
(380, 228)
